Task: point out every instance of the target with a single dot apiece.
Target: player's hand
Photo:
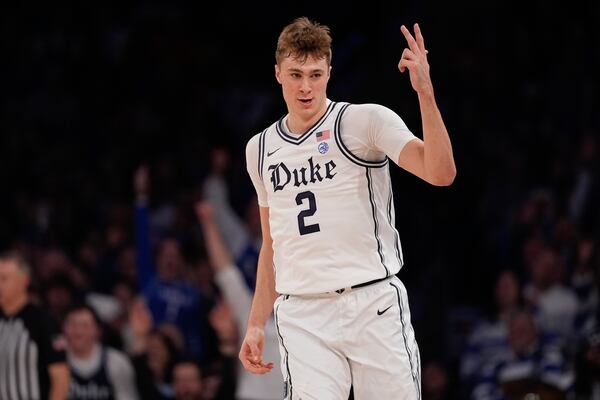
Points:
(251, 352)
(414, 58)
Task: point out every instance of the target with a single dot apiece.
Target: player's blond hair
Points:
(303, 38)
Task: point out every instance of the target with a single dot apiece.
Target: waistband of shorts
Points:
(342, 290)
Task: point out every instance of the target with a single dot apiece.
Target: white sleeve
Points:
(230, 224)
(122, 375)
(252, 167)
(372, 131)
(237, 294)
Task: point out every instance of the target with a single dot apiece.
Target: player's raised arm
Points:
(430, 159)
(262, 304)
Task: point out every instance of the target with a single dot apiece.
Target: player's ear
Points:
(278, 73)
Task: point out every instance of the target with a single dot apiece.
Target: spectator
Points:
(59, 294)
(187, 380)
(531, 365)
(98, 372)
(436, 385)
(154, 354)
(588, 368)
(224, 368)
(170, 298)
(554, 304)
(239, 297)
(584, 282)
(31, 343)
(243, 235)
(125, 293)
(489, 338)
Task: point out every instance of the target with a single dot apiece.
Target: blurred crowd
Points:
(124, 186)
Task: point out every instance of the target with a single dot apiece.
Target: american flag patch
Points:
(323, 135)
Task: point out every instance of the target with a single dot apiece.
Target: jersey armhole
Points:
(261, 152)
(345, 151)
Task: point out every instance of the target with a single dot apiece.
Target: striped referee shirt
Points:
(29, 342)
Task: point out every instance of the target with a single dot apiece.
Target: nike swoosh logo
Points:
(381, 312)
(270, 153)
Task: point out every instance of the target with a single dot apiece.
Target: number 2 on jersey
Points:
(312, 209)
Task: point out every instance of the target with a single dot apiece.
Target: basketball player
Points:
(330, 250)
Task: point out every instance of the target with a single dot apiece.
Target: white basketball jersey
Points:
(331, 212)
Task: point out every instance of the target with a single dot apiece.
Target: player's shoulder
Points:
(370, 109)
(255, 139)
(368, 114)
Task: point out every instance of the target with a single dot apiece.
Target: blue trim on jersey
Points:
(345, 151)
(373, 208)
(261, 152)
(300, 139)
(287, 364)
(416, 379)
(393, 225)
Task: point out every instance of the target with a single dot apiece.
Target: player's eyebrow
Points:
(312, 71)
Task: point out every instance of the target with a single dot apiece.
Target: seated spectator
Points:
(489, 338)
(187, 380)
(153, 354)
(436, 385)
(553, 304)
(97, 371)
(584, 282)
(588, 368)
(530, 365)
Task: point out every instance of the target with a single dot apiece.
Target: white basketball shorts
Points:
(360, 337)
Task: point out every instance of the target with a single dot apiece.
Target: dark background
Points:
(88, 91)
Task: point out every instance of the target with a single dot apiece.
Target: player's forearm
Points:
(439, 164)
(264, 294)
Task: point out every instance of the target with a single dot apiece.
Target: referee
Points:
(32, 356)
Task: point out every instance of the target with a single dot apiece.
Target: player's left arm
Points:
(430, 159)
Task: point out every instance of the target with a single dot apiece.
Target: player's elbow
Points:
(446, 178)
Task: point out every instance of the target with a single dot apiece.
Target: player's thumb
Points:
(255, 351)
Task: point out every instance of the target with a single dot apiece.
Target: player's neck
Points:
(297, 123)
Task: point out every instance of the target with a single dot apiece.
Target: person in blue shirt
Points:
(161, 278)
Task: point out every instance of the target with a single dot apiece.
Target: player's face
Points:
(304, 85)
(13, 283)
